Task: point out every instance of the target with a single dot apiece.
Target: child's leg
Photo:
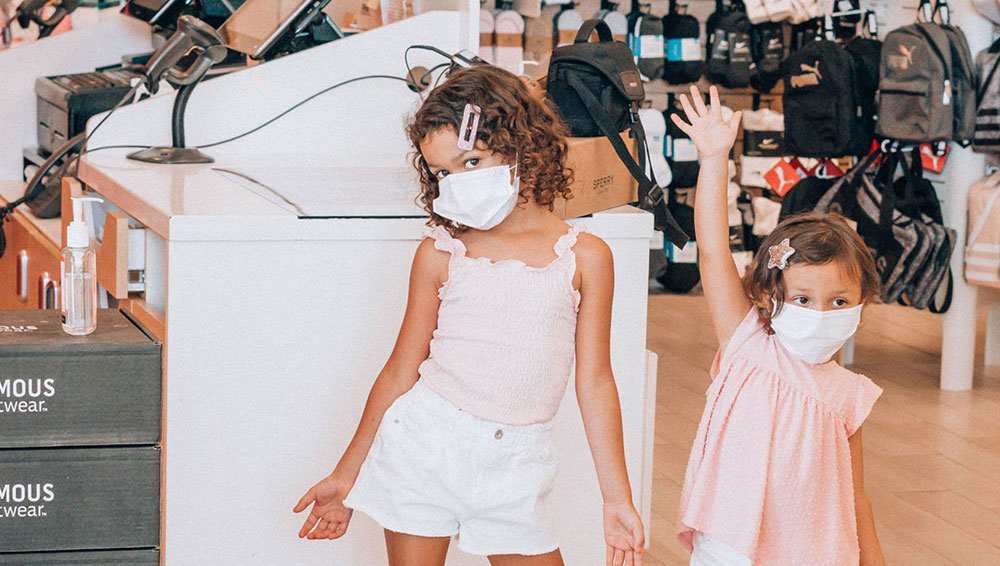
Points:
(553, 558)
(412, 550)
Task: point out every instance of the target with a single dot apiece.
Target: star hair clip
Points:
(779, 254)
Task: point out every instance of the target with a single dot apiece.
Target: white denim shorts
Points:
(710, 551)
(436, 470)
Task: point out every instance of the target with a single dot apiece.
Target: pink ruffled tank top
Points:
(770, 469)
(506, 333)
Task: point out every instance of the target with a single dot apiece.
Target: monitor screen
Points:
(255, 27)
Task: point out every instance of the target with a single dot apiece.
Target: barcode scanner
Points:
(192, 36)
(31, 11)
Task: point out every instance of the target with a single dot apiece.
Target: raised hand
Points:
(328, 518)
(710, 133)
(623, 535)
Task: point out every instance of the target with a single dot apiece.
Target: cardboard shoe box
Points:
(62, 390)
(79, 499)
(600, 179)
(91, 558)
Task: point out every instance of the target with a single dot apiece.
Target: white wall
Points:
(365, 117)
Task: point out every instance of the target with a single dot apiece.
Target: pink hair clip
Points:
(779, 254)
(467, 133)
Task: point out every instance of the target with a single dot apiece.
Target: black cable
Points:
(438, 81)
(434, 68)
(37, 178)
(406, 58)
(7, 209)
(324, 91)
(128, 96)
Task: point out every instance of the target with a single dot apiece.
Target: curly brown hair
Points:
(817, 239)
(514, 124)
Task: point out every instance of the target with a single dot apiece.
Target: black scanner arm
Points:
(31, 11)
(192, 35)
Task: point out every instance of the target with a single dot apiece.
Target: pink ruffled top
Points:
(770, 469)
(506, 333)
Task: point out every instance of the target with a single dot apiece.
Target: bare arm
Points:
(871, 551)
(597, 396)
(412, 347)
(727, 301)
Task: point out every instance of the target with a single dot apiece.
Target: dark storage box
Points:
(90, 558)
(79, 499)
(62, 390)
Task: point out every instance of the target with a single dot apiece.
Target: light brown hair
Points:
(514, 124)
(818, 239)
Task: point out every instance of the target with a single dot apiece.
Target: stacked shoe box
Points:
(79, 434)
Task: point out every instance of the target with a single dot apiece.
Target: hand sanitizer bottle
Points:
(79, 275)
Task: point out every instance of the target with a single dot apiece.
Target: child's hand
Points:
(710, 133)
(328, 509)
(623, 534)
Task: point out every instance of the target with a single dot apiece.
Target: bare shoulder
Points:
(429, 261)
(592, 252)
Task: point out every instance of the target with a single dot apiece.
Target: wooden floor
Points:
(932, 457)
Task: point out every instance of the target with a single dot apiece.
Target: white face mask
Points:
(815, 336)
(479, 199)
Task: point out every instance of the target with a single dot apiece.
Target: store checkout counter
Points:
(277, 308)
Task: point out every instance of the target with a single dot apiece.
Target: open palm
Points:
(706, 127)
(328, 518)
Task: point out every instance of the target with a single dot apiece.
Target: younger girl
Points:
(456, 436)
(775, 474)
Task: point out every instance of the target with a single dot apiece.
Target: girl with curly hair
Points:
(456, 436)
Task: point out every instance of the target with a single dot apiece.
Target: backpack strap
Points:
(887, 206)
(925, 11)
(989, 77)
(946, 302)
(650, 194)
(604, 34)
(942, 11)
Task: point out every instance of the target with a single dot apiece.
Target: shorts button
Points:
(498, 434)
(395, 421)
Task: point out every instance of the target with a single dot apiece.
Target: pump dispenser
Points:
(79, 275)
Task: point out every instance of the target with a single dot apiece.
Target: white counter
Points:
(275, 328)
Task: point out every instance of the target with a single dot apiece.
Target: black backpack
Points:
(597, 89)
(820, 101)
(804, 196)
(729, 61)
(680, 151)
(987, 138)
(767, 44)
(645, 37)
(680, 274)
(845, 27)
(685, 61)
(867, 54)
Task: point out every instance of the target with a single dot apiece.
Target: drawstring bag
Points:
(597, 89)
